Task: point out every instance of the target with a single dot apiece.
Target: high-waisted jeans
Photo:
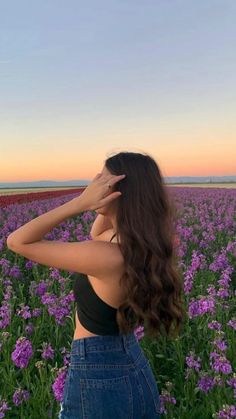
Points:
(109, 377)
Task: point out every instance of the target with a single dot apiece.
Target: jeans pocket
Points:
(152, 385)
(106, 398)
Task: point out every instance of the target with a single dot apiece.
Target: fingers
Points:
(108, 199)
(113, 178)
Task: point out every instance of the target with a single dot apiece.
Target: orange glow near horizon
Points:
(178, 160)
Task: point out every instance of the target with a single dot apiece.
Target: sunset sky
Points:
(80, 80)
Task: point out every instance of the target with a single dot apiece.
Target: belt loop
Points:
(82, 348)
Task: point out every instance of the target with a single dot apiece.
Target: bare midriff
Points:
(80, 331)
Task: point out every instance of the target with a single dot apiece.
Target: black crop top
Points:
(94, 314)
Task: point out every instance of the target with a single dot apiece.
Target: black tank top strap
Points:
(113, 237)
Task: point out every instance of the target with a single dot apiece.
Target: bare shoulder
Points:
(108, 286)
(118, 257)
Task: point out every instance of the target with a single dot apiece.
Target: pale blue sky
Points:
(109, 73)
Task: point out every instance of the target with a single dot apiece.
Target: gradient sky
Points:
(82, 79)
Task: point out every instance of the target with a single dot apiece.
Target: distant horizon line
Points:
(86, 180)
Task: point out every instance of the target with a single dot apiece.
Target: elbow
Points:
(9, 242)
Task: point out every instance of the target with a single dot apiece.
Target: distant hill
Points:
(83, 182)
(44, 184)
(200, 179)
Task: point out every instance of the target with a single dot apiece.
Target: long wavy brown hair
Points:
(146, 222)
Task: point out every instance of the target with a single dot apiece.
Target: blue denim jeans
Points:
(109, 377)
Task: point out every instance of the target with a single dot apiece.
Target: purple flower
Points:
(139, 332)
(220, 363)
(222, 293)
(61, 308)
(29, 328)
(220, 344)
(41, 288)
(15, 272)
(54, 273)
(24, 312)
(48, 351)
(193, 363)
(2, 242)
(211, 290)
(66, 299)
(66, 357)
(58, 385)
(22, 353)
(214, 325)
(20, 396)
(29, 264)
(206, 383)
(8, 294)
(5, 315)
(59, 312)
(36, 312)
(201, 306)
(221, 262)
(7, 282)
(228, 412)
(48, 298)
(166, 399)
(232, 323)
(232, 383)
(5, 266)
(3, 407)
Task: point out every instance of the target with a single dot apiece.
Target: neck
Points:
(113, 222)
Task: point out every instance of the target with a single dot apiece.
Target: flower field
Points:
(196, 372)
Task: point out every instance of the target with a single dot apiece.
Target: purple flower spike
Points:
(22, 353)
(20, 396)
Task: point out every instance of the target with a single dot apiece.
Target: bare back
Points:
(108, 289)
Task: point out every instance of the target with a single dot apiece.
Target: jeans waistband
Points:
(102, 342)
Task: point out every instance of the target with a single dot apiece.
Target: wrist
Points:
(76, 206)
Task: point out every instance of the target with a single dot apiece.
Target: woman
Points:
(120, 285)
